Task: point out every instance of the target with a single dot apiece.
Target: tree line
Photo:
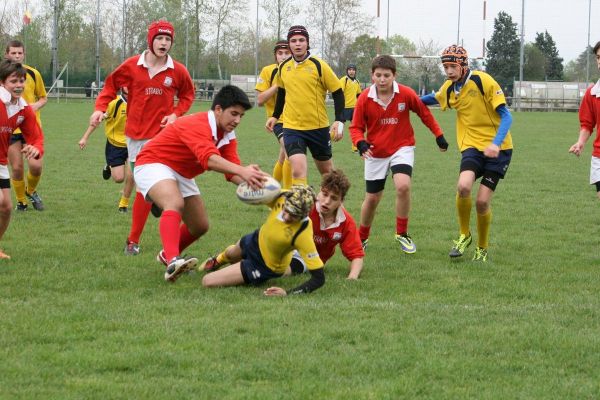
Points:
(218, 38)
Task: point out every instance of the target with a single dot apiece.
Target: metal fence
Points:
(547, 96)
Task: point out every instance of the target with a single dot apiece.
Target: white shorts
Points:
(377, 168)
(595, 170)
(4, 172)
(148, 175)
(134, 147)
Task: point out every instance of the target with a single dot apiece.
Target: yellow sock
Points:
(463, 208)
(222, 257)
(484, 221)
(287, 174)
(124, 202)
(19, 188)
(300, 181)
(278, 171)
(32, 182)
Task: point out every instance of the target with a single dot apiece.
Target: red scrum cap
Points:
(160, 27)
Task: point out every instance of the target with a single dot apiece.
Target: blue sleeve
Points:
(505, 123)
(429, 99)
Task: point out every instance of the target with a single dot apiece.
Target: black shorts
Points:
(474, 160)
(347, 114)
(254, 269)
(4, 183)
(278, 131)
(17, 137)
(317, 140)
(115, 156)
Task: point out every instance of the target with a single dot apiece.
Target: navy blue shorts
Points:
(474, 160)
(17, 137)
(278, 131)
(254, 269)
(347, 114)
(115, 156)
(317, 140)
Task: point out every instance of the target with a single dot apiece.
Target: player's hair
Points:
(7, 68)
(386, 62)
(230, 96)
(14, 43)
(337, 182)
(299, 200)
(596, 47)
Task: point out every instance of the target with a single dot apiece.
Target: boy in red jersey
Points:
(153, 80)
(382, 112)
(14, 113)
(333, 225)
(167, 165)
(589, 117)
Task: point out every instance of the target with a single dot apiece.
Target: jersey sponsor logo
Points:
(154, 91)
(260, 80)
(6, 129)
(168, 81)
(388, 121)
(20, 120)
(320, 239)
(499, 92)
(312, 255)
(337, 236)
(401, 106)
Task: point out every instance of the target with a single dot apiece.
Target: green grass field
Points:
(81, 320)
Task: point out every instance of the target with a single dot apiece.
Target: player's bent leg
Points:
(228, 276)
(299, 169)
(195, 216)
(325, 166)
(34, 174)
(117, 173)
(15, 159)
(5, 207)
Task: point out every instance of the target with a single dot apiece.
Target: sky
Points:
(437, 20)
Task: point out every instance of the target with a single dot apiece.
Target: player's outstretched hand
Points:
(271, 123)
(576, 149)
(254, 176)
(30, 151)
(275, 291)
(96, 118)
(492, 151)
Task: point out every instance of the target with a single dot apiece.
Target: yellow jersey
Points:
(306, 84)
(266, 79)
(115, 117)
(34, 90)
(351, 89)
(277, 239)
(475, 103)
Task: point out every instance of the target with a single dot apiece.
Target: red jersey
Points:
(13, 116)
(186, 145)
(388, 126)
(589, 115)
(343, 232)
(150, 98)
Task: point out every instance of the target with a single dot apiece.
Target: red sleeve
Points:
(351, 245)
(186, 92)
(31, 130)
(417, 106)
(359, 123)
(115, 81)
(230, 153)
(587, 118)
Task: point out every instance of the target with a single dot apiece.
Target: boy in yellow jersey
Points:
(352, 90)
(267, 95)
(482, 131)
(35, 96)
(267, 252)
(116, 147)
(304, 81)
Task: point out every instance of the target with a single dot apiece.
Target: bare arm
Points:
(264, 96)
(86, 136)
(356, 267)
(251, 173)
(41, 102)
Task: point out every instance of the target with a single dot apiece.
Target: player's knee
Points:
(482, 206)
(403, 190)
(463, 190)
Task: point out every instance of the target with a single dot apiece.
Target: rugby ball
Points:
(265, 195)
